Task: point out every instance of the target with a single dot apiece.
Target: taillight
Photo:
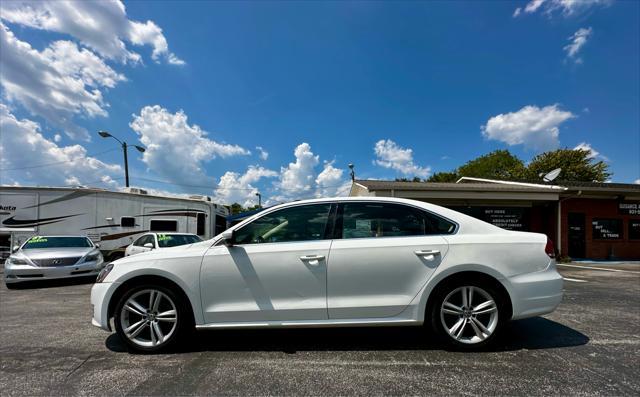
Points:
(549, 249)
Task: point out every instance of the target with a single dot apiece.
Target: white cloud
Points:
(100, 25)
(299, 177)
(517, 12)
(57, 138)
(534, 127)
(637, 181)
(58, 83)
(263, 154)
(390, 155)
(22, 144)
(533, 5)
(238, 188)
(175, 149)
(578, 40)
(330, 182)
(565, 7)
(593, 153)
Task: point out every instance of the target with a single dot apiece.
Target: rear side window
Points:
(371, 220)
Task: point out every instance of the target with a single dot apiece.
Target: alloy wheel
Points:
(149, 318)
(469, 315)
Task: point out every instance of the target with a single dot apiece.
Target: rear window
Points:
(57, 242)
(174, 240)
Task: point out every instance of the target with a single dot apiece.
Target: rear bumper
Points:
(21, 273)
(534, 294)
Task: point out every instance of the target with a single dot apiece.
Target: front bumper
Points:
(21, 273)
(101, 294)
(538, 293)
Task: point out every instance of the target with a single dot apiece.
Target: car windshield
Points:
(57, 242)
(173, 240)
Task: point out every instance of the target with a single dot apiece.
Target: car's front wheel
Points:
(150, 318)
(468, 314)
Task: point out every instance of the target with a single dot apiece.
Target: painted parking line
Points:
(575, 280)
(599, 268)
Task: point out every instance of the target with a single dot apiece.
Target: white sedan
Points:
(152, 241)
(332, 263)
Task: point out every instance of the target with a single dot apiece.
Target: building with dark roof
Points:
(585, 220)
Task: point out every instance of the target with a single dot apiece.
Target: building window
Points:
(127, 221)
(200, 227)
(606, 229)
(158, 225)
(634, 229)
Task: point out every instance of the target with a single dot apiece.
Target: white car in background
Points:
(333, 263)
(151, 241)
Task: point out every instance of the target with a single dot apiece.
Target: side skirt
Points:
(361, 322)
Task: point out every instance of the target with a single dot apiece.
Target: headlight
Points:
(97, 257)
(104, 272)
(16, 261)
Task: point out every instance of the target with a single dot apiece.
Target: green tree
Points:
(415, 179)
(444, 177)
(577, 165)
(499, 164)
(236, 208)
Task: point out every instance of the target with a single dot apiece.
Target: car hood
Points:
(196, 248)
(45, 253)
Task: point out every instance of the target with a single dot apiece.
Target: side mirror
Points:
(228, 238)
(148, 245)
(15, 248)
(97, 245)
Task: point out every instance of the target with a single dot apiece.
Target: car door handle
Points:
(312, 257)
(427, 252)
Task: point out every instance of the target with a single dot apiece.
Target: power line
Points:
(57, 162)
(219, 187)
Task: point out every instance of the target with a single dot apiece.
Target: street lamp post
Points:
(124, 145)
(259, 200)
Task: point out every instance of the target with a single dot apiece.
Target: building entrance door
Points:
(576, 238)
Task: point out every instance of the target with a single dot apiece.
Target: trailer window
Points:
(127, 221)
(200, 229)
(163, 225)
(221, 224)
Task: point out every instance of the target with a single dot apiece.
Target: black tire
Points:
(184, 319)
(449, 289)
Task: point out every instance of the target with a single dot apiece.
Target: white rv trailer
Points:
(111, 219)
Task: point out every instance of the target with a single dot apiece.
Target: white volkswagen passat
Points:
(335, 262)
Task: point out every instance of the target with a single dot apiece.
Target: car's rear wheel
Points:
(150, 318)
(468, 314)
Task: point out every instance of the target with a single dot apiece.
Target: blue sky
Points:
(399, 89)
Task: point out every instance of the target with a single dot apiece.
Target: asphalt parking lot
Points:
(590, 345)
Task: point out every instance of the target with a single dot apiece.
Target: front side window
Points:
(139, 242)
(367, 220)
(148, 239)
(302, 223)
